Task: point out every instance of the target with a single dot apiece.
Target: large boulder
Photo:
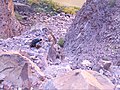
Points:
(80, 80)
(17, 70)
(95, 33)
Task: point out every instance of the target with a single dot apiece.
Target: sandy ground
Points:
(77, 3)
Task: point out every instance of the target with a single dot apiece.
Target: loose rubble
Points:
(95, 36)
(50, 67)
(35, 44)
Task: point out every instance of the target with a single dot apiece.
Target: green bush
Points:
(55, 6)
(61, 42)
(59, 8)
(51, 7)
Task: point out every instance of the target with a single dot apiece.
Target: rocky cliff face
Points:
(9, 26)
(95, 32)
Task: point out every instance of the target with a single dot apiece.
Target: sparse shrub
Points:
(51, 7)
(55, 6)
(61, 42)
(18, 16)
(70, 10)
(59, 8)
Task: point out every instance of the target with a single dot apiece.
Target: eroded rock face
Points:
(9, 26)
(95, 33)
(22, 8)
(80, 80)
(11, 66)
(16, 69)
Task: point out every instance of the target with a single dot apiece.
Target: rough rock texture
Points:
(95, 33)
(16, 70)
(21, 44)
(80, 80)
(56, 70)
(58, 25)
(22, 7)
(9, 26)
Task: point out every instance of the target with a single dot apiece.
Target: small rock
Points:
(107, 66)
(86, 63)
(117, 87)
(34, 42)
(118, 63)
